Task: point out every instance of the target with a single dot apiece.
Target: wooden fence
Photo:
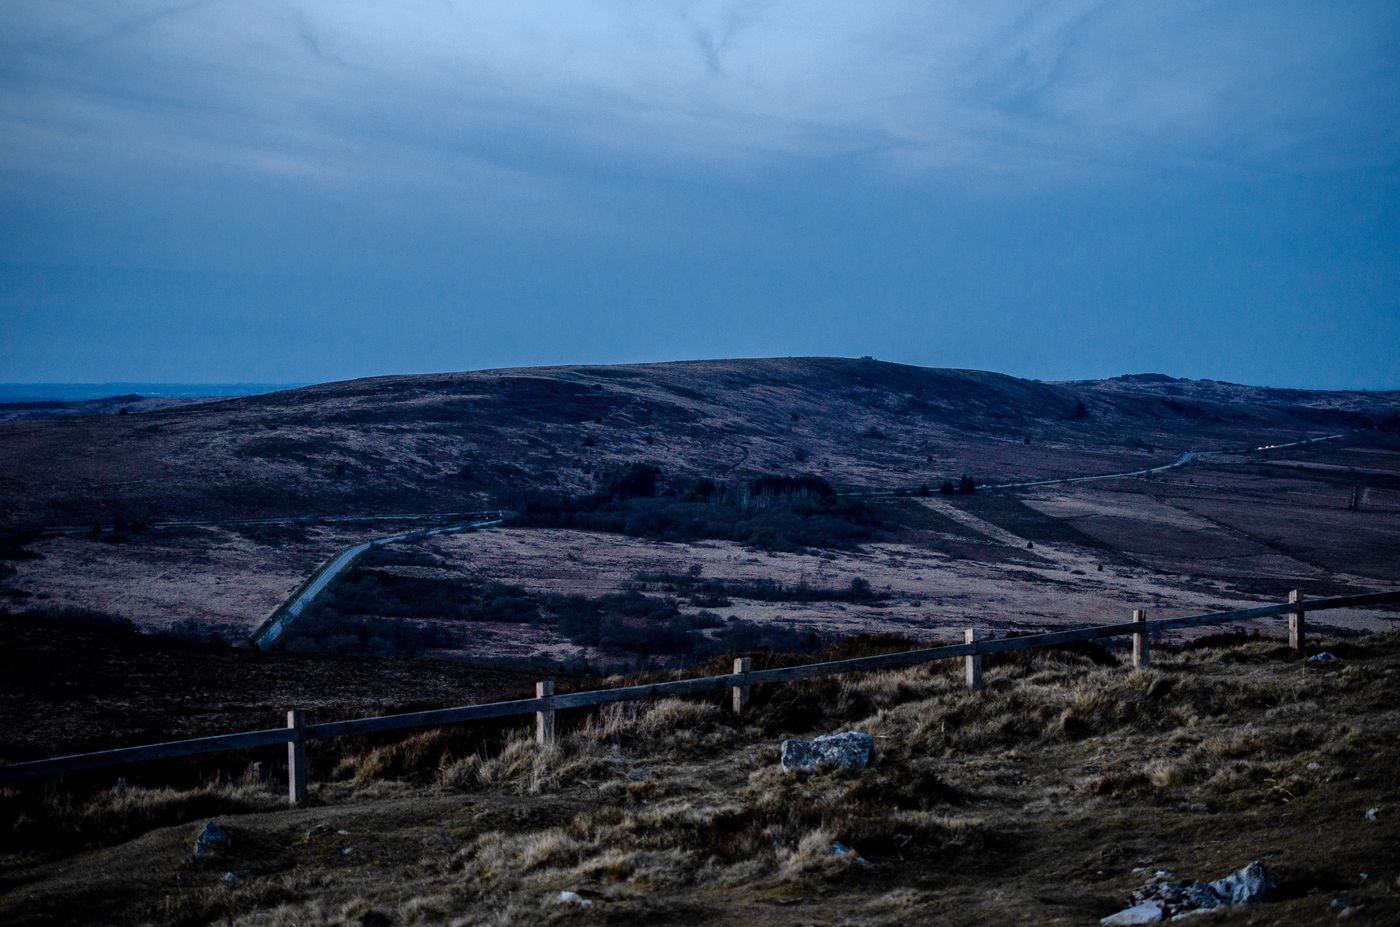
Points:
(546, 702)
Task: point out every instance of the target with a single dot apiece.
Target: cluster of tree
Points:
(787, 513)
(964, 487)
(120, 530)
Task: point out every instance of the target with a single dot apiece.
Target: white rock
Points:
(1249, 885)
(573, 898)
(230, 877)
(848, 750)
(1137, 914)
(1326, 656)
(1372, 813)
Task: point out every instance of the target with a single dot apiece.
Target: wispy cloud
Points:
(328, 89)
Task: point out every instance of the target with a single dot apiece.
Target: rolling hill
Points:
(449, 442)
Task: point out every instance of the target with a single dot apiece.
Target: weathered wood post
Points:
(1296, 630)
(972, 663)
(544, 719)
(741, 693)
(1140, 647)
(296, 759)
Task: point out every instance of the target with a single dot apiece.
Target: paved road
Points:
(272, 629)
(1185, 458)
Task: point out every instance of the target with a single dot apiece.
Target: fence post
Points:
(972, 663)
(1140, 646)
(1296, 630)
(296, 760)
(741, 693)
(544, 720)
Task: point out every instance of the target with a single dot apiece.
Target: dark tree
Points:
(966, 485)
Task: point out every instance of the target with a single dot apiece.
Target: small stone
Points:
(1138, 914)
(840, 849)
(1372, 813)
(211, 837)
(1326, 656)
(1314, 766)
(567, 897)
(346, 851)
(230, 877)
(847, 750)
(318, 830)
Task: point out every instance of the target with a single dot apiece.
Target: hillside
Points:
(1048, 798)
(449, 442)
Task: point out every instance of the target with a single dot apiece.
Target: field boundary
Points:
(546, 702)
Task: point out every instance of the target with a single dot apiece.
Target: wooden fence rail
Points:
(296, 734)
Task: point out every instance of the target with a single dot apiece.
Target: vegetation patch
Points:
(717, 593)
(781, 513)
(396, 601)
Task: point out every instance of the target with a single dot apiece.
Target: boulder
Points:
(1247, 886)
(1163, 899)
(1146, 913)
(847, 750)
(1326, 656)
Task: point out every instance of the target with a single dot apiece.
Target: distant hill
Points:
(79, 392)
(450, 442)
(55, 400)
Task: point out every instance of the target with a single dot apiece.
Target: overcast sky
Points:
(303, 190)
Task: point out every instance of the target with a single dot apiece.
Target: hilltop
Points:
(461, 441)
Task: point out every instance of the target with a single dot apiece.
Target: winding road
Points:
(1185, 458)
(271, 630)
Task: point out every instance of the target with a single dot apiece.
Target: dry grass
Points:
(56, 819)
(1032, 800)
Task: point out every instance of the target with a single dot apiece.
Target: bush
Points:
(716, 593)
(787, 513)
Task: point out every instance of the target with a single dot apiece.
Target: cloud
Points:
(340, 92)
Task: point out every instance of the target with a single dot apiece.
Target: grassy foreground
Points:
(1035, 800)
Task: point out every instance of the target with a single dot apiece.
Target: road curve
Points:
(1185, 458)
(271, 630)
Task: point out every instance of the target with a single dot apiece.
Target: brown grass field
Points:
(1045, 798)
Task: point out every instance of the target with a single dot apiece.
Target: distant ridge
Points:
(79, 392)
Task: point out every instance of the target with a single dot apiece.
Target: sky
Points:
(307, 190)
